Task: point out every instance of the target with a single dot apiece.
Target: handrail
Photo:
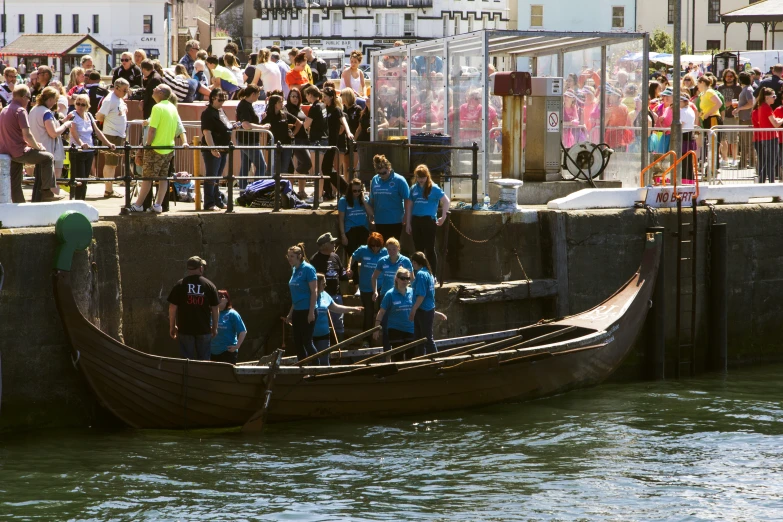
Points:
(648, 167)
(694, 162)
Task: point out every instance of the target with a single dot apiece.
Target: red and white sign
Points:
(552, 121)
(663, 197)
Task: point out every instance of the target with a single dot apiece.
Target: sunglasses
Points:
(125, 60)
(382, 172)
(401, 278)
(359, 191)
(80, 104)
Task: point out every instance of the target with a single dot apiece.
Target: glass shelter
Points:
(441, 92)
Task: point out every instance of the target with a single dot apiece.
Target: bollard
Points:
(230, 181)
(127, 179)
(656, 346)
(719, 296)
(474, 177)
(5, 179)
(278, 153)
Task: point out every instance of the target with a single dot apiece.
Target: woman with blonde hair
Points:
(267, 72)
(353, 77)
(232, 64)
(84, 127)
(139, 55)
(47, 130)
(421, 212)
(394, 315)
(304, 293)
(127, 70)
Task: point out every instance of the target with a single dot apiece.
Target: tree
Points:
(661, 42)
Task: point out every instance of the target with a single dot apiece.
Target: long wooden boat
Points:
(149, 391)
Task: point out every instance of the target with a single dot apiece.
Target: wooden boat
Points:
(148, 391)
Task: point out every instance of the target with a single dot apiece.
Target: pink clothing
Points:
(665, 117)
(13, 119)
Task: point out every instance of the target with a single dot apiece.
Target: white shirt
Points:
(115, 111)
(687, 118)
(270, 76)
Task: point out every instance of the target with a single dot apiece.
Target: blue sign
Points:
(84, 49)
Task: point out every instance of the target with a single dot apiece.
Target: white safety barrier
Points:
(5, 178)
(18, 215)
(661, 197)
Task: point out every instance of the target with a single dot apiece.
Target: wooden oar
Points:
(539, 339)
(548, 355)
(474, 348)
(256, 421)
(337, 346)
(393, 351)
(449, 352)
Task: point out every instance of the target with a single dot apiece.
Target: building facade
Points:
(576, 15)
(368, 25)
(702, 29)
(119, 25)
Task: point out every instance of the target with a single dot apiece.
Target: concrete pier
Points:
(574, 260)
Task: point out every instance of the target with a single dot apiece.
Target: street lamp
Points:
(313, 5)
(210, 9)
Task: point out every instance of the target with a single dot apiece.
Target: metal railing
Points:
(752, 155)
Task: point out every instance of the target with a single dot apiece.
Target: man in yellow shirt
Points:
(164, 127)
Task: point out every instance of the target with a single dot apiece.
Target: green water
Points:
(704, 449)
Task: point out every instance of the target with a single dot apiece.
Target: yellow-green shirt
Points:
(165, 120)
(706, 102)
(224, 74)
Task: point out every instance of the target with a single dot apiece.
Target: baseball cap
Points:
(326, 238)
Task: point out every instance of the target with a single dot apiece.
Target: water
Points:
(706, 449)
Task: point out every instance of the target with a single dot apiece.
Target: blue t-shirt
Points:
(397, 308)
(229, 326)
(387, 198)
(389, 271)
(369, 261)
(300, 285)
(355, 216)
(425, 207)
(424, 284)
(322, 305)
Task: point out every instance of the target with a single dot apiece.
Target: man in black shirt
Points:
(328, 263)
(193, 312)
(775, 83)
(318, 67)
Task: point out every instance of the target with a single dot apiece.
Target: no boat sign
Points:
(552, 121)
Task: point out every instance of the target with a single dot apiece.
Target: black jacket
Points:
(774, 83)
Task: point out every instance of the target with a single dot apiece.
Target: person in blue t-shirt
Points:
(323, 305)
(303, 296)
(353, 211)
(394, 314)
(231, 331)
(367, 256)
(388, 192)
(423, 310)
(387, 268)
(421, 213)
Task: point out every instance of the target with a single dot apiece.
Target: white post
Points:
(5, 178)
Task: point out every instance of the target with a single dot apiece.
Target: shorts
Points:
(112, 159)
(156, 165)
(729, 136)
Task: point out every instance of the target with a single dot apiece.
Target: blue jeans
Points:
(213, 167)
(255, 157)
(422, 326)
(195, 346)
(322, 343)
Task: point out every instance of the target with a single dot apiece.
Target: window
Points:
(456, 23)
(409, 27)
(379, 24)
(96, 24)
(147, 26)
(21, 23)
(445, 25)
(713, 11)
(470, 22)
(670, 16)
(755, 45)
(536, 16)
(713, 45)
(58, 24)
(75, 21)
(39, 23)
(315, 29)
(618, 17)
(337, 23)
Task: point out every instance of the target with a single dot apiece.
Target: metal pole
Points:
(197, 171)
(603, 97)
(719, 275)
(278, 165)
(230, 180)
(351, 150)
(656, 346)
(308, 22)
(474, 177)
(676, 136)
(127, 179)
(645, 100)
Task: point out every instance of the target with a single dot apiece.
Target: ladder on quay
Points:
(686, 286)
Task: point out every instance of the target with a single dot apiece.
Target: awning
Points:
(766, 11)
(52, 45)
